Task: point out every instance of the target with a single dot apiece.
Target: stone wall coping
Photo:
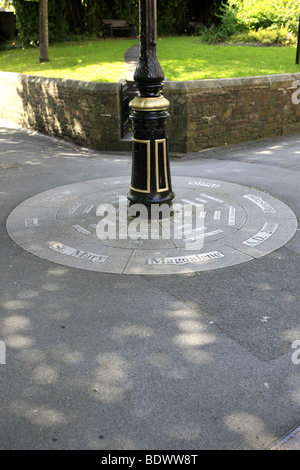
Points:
(183, 86)
(112, 87)
(220, 83)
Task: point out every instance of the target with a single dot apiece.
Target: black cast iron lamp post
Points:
(150, 180)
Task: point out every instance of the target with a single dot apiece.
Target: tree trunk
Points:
(44, 40)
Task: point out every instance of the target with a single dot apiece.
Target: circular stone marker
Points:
(212, 224)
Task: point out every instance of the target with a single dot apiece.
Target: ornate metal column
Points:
(151, 180)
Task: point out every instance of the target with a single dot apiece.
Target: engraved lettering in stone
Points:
(136, 242)
(231, 216)
(191, 202)
(266, 232)
(67, 250)
(75, 208)
(81, 229)
(201, 200)
(88, 209)
(212, 198)
(264, 206)
(202, 183)
(215, 232)
(59, 195)
(31, 222)
(204, 235)
(194, 230)
(181, 260)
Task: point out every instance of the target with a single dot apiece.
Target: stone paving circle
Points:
(216, 224)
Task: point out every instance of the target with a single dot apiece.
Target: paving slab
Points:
(211, 224)
(184, 361)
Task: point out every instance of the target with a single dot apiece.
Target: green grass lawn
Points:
(94, 61)
(182, 58)
(185, 58)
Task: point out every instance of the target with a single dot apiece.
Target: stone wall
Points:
(203, 113)
(85, 113)
(214, 113)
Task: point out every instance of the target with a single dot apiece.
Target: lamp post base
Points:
(151, 180)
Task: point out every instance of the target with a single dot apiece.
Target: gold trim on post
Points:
(148, 143)
(149, 104)
(157, 142)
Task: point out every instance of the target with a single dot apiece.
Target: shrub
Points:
(266, 36)
(262, 14)
(264, 21)
(27, 13)
(227, 26)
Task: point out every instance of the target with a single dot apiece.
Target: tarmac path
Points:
(193, 361)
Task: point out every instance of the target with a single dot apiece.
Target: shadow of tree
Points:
(112, 362)
(86, 360)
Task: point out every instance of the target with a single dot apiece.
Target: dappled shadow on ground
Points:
(100, 361)
(273, 151)
(97, 368)
(19, 144)
(93, 361)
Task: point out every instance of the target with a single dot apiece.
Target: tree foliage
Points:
(6, 4)
(265, 21)
(266, 13)
(85, 16)
(27, 13)
(69, 18)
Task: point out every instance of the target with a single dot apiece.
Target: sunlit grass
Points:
(182, 58)
(185, 58)
(96, 61)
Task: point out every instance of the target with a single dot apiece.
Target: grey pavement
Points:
(195, 361)
(131, 58)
